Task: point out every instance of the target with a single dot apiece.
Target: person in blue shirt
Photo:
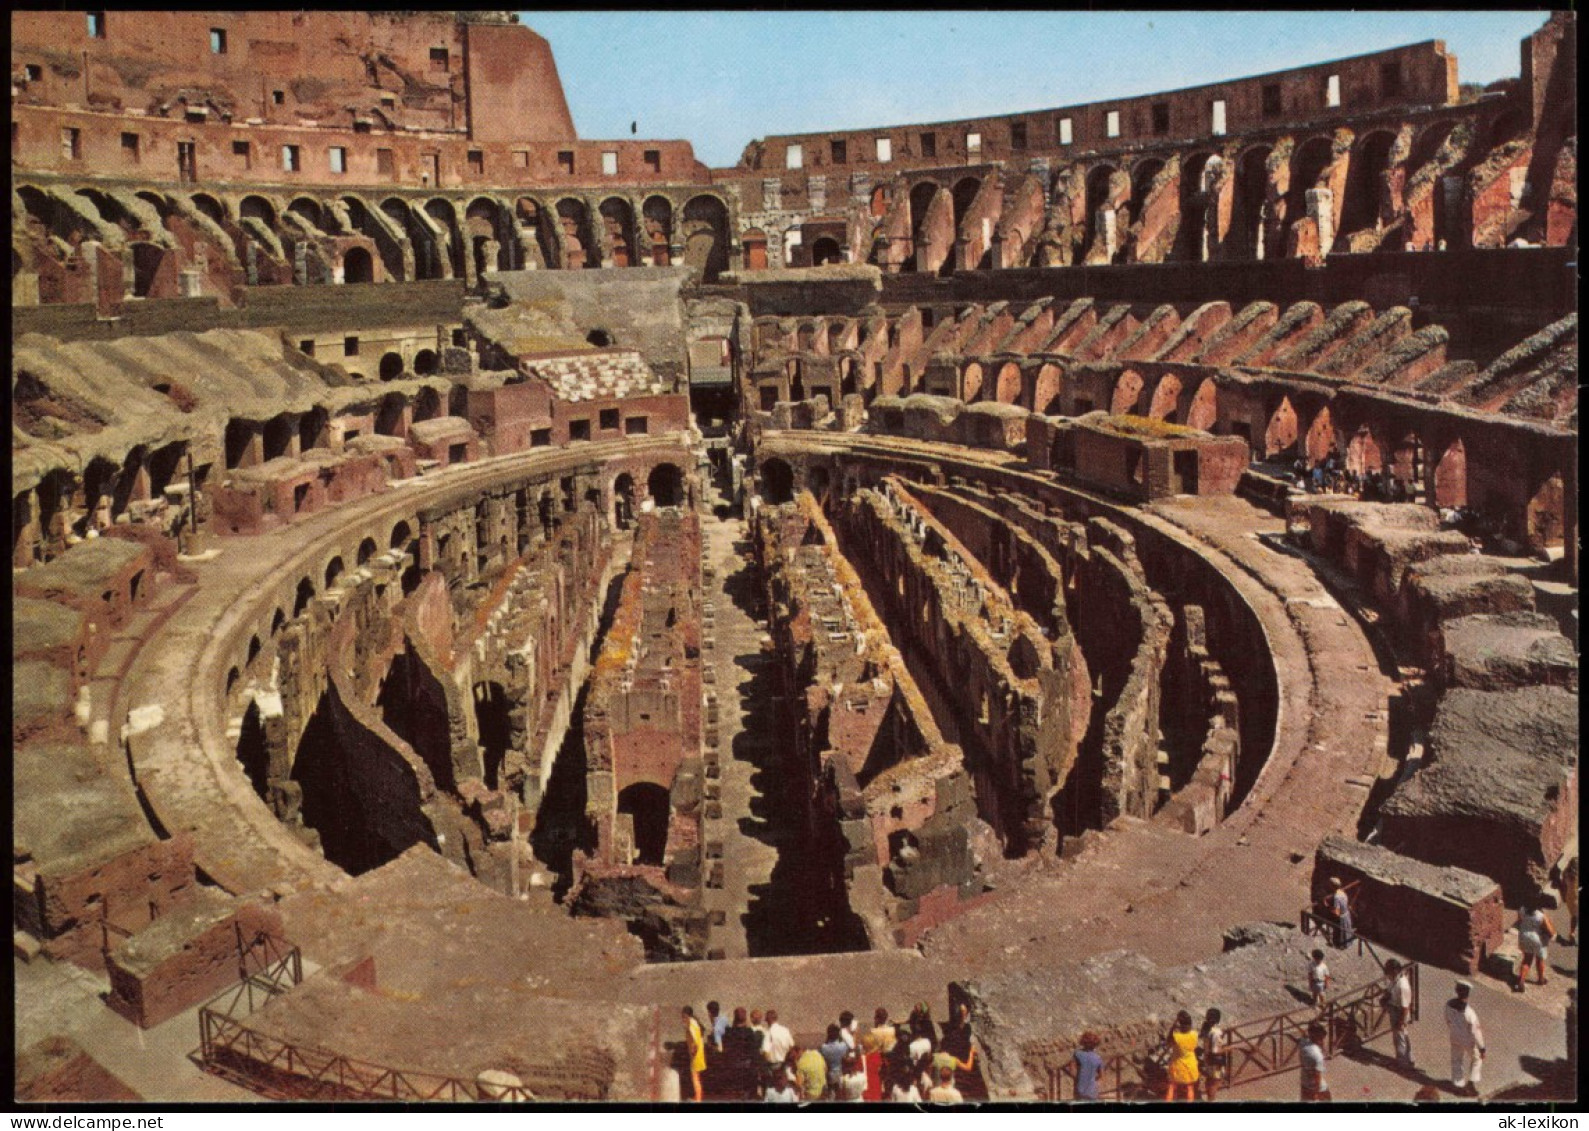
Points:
(1089, 1065)
(834, 1050)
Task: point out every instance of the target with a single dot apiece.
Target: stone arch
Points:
(617, 217)
(1191, 242)
(1007, 389)
(309, 210)
(932, 231)
(212, 207)
(1143, 174)
(961, 198)
(1046, 390)
(1367, 188)
(1127, 391)
(450, 242)
(302, 596)
(366, 222)
(358, 265)
(422, 236)
(391, 367)
(848, 385)
(533, 217)
(623, 500)
(579, 243)
(389, 415)
(1320, 441)
(425, 363)
(334, 570)
(826, 250)
(256, 207)
(1249, 214)
(402, 535)
(427, 404)
(1280, 433)
(777, 481)
(971, 382)
(1309, 163)
(1364, 452)
(1507, 126)
(366, 551)
(646, 804)
(1451, 476)
(656, 214)
(485, 220)
(706, 235)
(1166, 403)
(665, 485)
(147, 259)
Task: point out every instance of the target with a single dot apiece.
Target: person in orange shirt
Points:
(1183, 1041)
(695, 1050)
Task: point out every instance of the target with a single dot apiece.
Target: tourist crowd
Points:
(754, 1056)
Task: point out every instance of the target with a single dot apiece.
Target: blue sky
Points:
(720, 79)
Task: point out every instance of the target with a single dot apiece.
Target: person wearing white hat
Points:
(1467, 1041)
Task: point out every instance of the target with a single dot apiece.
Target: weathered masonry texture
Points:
(465, 569)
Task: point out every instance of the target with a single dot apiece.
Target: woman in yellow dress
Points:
(1183, 1057)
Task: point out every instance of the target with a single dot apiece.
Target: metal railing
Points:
(1253, 1050)
(281, 1069)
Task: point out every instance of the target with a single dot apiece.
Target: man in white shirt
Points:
(1467, 1041)
(1398, 1000)
(779, 1040)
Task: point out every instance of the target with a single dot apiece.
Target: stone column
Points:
(1107, 237)
(1321, 209)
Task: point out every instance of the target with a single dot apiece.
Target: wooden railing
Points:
(1254, 1049)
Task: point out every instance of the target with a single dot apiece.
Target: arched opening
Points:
(1142, 177)
(301, 599)
(1008, 388)
(257, 208)
(826, 250)
(657, 216)
(1045, 394)
(367, 550)
(797, 388)
(601, 339)
(647, 805)
(706, 236)
(425, 363)
(358, 266)
(278, 621)
(1128, 390)
(448, 241)
(309, 213)
(1367, 187)
(1320, 440)
(391, 366)
(848, 385)
(931, 228)
(414, 707)
(1364, 454)
(1166, 399)
(961, 198)
(1309, 164)
(623, 501)
(389, 416)
(1100, 179)
(146, 260)
(971, 382)
(1451, 476)
(210, 207)
(777, 481)
(253, 754)
(254, 647)
(1507, 127)
(1249, 211)
(665, 485)
(1280, 436)
(339, 804)
(617, 218)
(402, 535)
(427, 404)
(280, 431)
(1196, 173)
(314, 429)
(334, 570)
(1407, 465)
(492, 719)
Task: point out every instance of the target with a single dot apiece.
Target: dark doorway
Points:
(491, 716)
(648, 804)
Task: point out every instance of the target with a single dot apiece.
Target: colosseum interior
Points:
(463, 569)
